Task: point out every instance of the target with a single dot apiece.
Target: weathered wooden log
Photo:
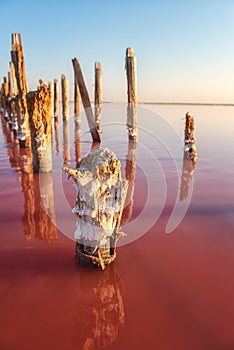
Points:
(98, 94)
(65, 97)
(17, 57)
(85, 100)
(130, 65)
(76, 98)
(56, 99)
(190, 150)
(39, 107)
(100, 201)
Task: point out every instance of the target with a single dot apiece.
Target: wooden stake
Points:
(17, 57)
(56, 99)
(130, 64)
(65, 97)
(76, 98)
(39, 107)
(98, 94)
(85, 100)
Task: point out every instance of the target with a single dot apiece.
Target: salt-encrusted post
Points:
(17, 57)
(65, 97)
(100, 200)
(98, 94)
(15, 110)
(56, 99)
(190, 150)
(39, 107)
(85, 100)
(130, 64)
(190, 157)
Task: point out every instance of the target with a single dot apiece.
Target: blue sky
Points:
(184, 49)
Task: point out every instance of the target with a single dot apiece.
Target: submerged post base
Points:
(93, 258)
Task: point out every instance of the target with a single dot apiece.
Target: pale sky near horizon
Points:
(184, 49)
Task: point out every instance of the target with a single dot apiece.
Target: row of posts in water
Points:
(30, 112)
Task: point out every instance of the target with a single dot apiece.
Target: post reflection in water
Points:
(77, 137)
(130, 168)
(188, 169)
(57, 137)
(37, 190)
(66, 142)
(101, 308)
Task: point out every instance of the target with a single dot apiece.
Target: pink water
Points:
(165, 291)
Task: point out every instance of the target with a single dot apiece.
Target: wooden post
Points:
(17, 57)
(56, 99)
(65, 97)
(130, 64)
(98, 94)
(85, 100)
(100, 200)
(76, 98)
(14, 80)
(39, 107)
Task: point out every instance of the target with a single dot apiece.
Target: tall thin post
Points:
(76, 98)
(56, 99)
(17, 57)
(65, 97)
(98, 94)
(85, 100)
(131, 75)
(130, 64)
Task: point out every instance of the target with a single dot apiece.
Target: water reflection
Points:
(188, 169)
(37, 190)
(66, 142)
(101, 308)
(77, 137)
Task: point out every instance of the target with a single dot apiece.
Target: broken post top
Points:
(98, 65)
(99, 163)
(16, 42)
(130, 52)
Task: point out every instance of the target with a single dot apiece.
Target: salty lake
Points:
(171, 286)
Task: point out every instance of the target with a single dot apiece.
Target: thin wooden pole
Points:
(131, 75)
(98, 94)
(85, 100)
(17, 57)
(65, 97)
(76, 98)
(130, 64)
(56, 99)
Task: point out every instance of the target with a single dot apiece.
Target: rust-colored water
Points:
(166, 291)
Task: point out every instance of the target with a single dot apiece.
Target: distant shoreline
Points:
(177, 103)
(170, 103)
